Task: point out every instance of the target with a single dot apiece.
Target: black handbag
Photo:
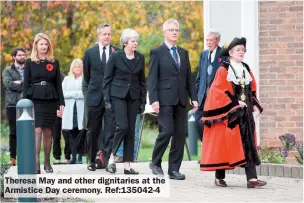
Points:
(81, 143)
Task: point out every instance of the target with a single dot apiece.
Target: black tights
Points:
(47, 145)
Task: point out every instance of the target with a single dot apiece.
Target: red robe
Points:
(222, 146)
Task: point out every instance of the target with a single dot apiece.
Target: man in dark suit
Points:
(94, 64)
(169, 84)
(208, 65)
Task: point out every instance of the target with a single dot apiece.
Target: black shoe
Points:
(258, 183)
(130, 172)
(156, 170)
(111, 168)
(91, 166)
(220, 182)
(175, 175)
(49, 169)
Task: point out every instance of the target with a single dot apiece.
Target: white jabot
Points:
(238, 68)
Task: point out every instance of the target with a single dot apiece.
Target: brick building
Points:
(281, 69)
(274, 32)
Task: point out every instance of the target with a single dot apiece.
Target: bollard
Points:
(192, 134)
(25, 125)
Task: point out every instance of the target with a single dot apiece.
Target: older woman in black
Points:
(125, 88)
(42, 85)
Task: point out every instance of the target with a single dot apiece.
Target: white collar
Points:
(101, 46)
(169, 45)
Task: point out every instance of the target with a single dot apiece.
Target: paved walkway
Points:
(199, 187)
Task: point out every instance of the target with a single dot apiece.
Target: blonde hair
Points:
(73, 64)
(49, 54)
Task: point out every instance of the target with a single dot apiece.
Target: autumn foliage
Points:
(72, 25)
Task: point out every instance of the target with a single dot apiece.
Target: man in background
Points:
(208, 64)
(13, 81)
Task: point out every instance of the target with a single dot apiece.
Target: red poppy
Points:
(219, 60)
(113, 49)
(49, 67)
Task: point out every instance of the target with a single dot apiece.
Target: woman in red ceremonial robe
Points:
(229, 134)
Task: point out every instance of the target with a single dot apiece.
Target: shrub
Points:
(271, 155)
(4, 169)
(288, 142)
(4, 129)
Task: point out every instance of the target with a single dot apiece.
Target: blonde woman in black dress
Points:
(42, 85)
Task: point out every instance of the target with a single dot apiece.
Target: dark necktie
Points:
(210, 57)
(103, 57)
(175, 56)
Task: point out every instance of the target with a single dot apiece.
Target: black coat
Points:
(122, 77)
(93, 73)
(167, 83)
(43, 71)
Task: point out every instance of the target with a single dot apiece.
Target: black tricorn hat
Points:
(230, 44)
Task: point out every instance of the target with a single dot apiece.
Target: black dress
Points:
(42, 85)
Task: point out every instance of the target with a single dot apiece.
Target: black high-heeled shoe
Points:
(38, 171)
(48, 170)
(111, 168)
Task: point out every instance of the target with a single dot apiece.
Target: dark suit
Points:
(93, 72)
(203, 82)
(170, 85)
(125, 87)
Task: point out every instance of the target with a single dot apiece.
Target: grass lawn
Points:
(145, 152)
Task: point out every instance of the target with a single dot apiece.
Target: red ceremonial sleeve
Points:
(220, 101)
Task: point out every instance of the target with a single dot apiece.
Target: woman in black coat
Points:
(42, 85)
(125, 92)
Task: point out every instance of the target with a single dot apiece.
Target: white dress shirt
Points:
(213, 54)
(171, 51)
(101, 51)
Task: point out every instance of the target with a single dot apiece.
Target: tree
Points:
(72, 25)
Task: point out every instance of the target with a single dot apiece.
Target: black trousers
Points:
(56, 141)
(72, 139)
(94, 124)
(199, 125)
(198, 115)
(107, 134)
(11, 115)
(125, 111)
(171, 121)
(249, 171)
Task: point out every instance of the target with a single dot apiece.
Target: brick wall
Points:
(281, 70)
